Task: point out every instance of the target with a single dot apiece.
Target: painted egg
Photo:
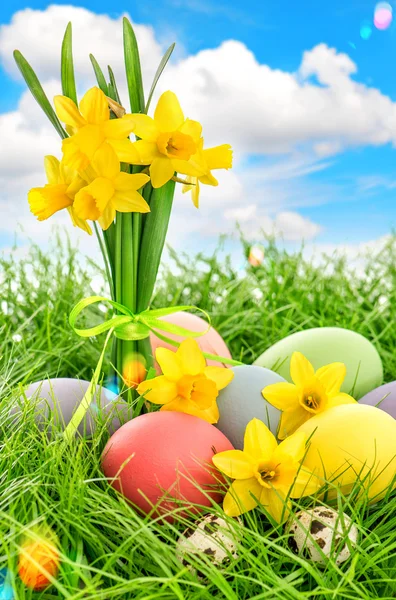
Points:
(383, 397)
(322, 533)
(164, 460)
(242, 400)
(212, 537)
(211, 342)
(59, 398)
(352, 442)
(325, 345)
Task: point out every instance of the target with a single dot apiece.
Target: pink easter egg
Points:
(164, 459)
(211, 342)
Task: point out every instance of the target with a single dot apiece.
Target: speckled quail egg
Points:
(211, 536)
(321, 533)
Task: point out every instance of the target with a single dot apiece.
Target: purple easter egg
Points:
(383, 397)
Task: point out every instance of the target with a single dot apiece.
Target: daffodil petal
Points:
(258, 441)
(68, 112)
(300, 369)
(220, 375)
(192, 128)
(290, 421)
(77, 222)
(124, 181)
(283, 396)
(191, 358)
(234, 464)
(211, 415)
(161, 171)
(241, 497)
(168, 115)
(129, 201)
(52, 168)
(143, 127)
(275, 504)
(306, 484)
(73, 157)
(218, 157)
(117, 129)
(293, 446)
(192, 167)
(332, 377)
(180, 404)
(88, 140)
(105, 162)
(147, 151)
(159, 390)
(125, 150)
(169, 363)
(339, 399)
(107, 217)
(94, 107)
(208, 179)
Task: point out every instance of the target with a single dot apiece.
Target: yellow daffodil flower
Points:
(168, 141)
(59, 193)
(265, 473)
(310, 394)
(109, 190)
(187, 384)
(92, 127)
(219, 157)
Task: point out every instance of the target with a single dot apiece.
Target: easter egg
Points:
(321, 533)
(212, 537)
(58, 398)
(383, 397)
(164, 460)
(349, 443)
(325, 345)
(242, 400)
(211, 342)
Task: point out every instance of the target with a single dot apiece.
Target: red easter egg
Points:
(167, 457)
(211, 342)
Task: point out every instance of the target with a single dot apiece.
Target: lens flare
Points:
(383, 14)
(134, 370)
(39, 558)
(6, 591)
(256, 256)
(365, 30)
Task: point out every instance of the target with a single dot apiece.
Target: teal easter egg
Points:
(242, 400)
(325, 345)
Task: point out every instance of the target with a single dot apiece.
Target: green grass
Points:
(108, 551)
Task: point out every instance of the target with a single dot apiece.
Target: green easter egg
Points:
(325, 345)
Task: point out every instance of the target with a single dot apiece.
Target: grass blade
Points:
(37, 91)
(153, 240)
(132, 68)
(67, 68)
(100, 78)
(158, 74)
(113, 85)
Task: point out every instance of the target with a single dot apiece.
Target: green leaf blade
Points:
(100, 78)
(67, 67)
(37, 91)
(133, 69)
(158, 74)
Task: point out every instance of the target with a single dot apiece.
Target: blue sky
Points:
(348, 192)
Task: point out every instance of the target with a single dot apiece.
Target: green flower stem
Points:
(118, 288)
(106, 260)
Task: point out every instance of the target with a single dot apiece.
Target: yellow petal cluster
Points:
(311, 393)
(187, 384)
(89, 180)
(265, 473)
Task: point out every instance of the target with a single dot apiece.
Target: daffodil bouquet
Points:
(116, 175)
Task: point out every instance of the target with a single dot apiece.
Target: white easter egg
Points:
(322, 533)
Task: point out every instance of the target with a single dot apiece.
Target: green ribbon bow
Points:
(128, 326)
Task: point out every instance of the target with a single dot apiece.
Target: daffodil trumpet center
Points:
(266, 474)
(313, 399)
(199, 389)
(176, 145)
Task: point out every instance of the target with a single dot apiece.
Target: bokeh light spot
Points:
(383, 14)
(365, 30)
(134, 370)
(6, 591)
(256, 256)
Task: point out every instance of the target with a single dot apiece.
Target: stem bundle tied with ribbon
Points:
(130, 327)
